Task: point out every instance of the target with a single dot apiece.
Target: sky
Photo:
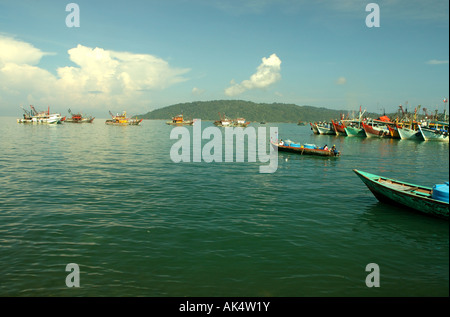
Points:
(142, 55)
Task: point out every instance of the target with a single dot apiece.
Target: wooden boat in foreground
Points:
(304, 149)
(431, 201)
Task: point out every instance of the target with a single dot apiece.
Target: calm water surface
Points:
(111, 200)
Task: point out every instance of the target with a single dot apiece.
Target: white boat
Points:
(40, 117)
(435, 132)
(325, 129)
(409, 134)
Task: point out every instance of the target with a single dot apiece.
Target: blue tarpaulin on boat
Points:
(440, 192)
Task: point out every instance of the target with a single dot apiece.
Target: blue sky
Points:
(142, 55)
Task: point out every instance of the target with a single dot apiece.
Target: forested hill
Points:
(274, 112)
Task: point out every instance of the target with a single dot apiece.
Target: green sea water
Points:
(111, 200)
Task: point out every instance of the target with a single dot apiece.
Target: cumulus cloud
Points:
(436, 62)
(101, 78)
(267, 73)
(341, 81)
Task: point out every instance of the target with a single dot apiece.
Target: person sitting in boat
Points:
(335, 151)
(325, 147)
(281, 142)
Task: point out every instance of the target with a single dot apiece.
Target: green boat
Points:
(354, 131)
(430, 201)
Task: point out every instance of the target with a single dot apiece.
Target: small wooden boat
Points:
(179, 120)
(304, 149)
(431, 201)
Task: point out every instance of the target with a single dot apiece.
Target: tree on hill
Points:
(253, 112)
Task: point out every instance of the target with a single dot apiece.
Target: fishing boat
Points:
(304, 149)
(409, 131)
(354, 129)
(435, 131)
(431, 201)
(393, 131)
(325, 128)
(40, 117)
(78, 118)
(121, 119)
(339, 128)
(223, 122)
(179, 120)
(240, 122)
(314, 128)
(375, 128)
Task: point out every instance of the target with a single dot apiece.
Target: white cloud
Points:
(19, 52)
(267, 73)
(436, 62)
(101, 79)
(341, 81)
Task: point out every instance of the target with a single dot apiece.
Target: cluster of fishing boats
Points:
(45, 117)
(383, 127)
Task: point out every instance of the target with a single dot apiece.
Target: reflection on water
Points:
(110, 199)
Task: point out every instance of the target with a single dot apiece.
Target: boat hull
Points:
(374, 132)
(304, 150)
(339, 128)
(352, 131)
(326, 130)
(409, 196)
(409, 134)
(434, 135)
(314, 128)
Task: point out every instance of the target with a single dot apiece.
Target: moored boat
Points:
(436, 131)
(79, 118)
(122, 119)
(179, 120)
(354, 130)
(305, 149)
(339, 128)
(431, 201)
(325, 129)
(40, 117)
(314, 128)
(409, 131)
(375, 128)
